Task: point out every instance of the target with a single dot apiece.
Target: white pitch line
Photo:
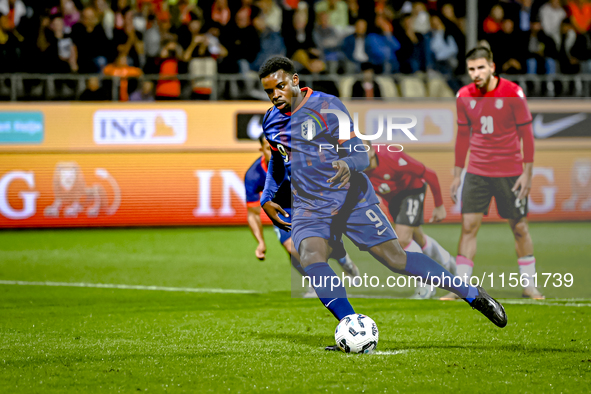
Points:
(127, 287)
(389, 352)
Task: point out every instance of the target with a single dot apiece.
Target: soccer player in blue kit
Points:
(332, 196)
(254, 183)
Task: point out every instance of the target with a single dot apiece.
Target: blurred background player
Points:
(401, 182)
(254, 183)
(493, 121)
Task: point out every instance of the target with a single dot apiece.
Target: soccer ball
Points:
(357, 334)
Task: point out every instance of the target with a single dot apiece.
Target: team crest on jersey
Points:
(308, 129)
(472, 104)
(499, 104)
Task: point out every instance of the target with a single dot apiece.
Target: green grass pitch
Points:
(66, 339)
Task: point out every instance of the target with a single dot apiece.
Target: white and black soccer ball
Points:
(357, 334)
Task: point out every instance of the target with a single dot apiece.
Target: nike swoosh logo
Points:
(382, 232)
(330, 302)
(254, 128)
(545, 130)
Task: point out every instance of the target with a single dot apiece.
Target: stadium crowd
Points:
(129, 38)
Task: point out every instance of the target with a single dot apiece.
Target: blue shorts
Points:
(283, 235)
(366, 227)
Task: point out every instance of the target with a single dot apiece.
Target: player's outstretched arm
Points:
(523, 183)
(461, 151)
(275, 176)
(256, 227)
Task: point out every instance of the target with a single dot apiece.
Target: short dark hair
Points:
(276, 63)
(480, 53)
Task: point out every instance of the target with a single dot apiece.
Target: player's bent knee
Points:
(391, 254)
(404, 241)
(313, 250)
(470, 227)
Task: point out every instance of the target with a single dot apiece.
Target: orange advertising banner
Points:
(179, 189)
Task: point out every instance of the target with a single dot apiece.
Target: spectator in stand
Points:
(443, 52)
(301, 46)
(119, 8)
(356, 48)
(14, 10)
(448, 13)
(10, 46)
(187, 31)
(196, 45)
(328, 41)
(106, 17)
(140, 18)
(509, 48)
(131, 39)
(273, 14)
(94, 91)
(541, 51)
(569, 52)
(145, 93)
(525, 15)
(382, 8)
(353, 7)
(413, 48)
(59, 55)
(454, 27)
(152, 48)
(580, 15)
(167, 31)
(383, 47)
(242, 43)
(421, 19)
(71, 15)
(121, 69)
(271, 42)
(168, 86)
(220, 12)
(492, 23)
(367, 87)
(551, 16)
(91, 41)
(214, 46)
(247, 7)
(185, 9)
(580, 19)
(337, 10)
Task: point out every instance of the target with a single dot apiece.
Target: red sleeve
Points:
(462, 144)
(461, 109)
(431, 178)
(520, 109)
(526, 133)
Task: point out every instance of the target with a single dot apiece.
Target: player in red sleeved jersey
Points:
(493, 123)
(401, 182)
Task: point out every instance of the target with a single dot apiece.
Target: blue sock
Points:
(334, 298)
(342, 260)
(418, 264)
